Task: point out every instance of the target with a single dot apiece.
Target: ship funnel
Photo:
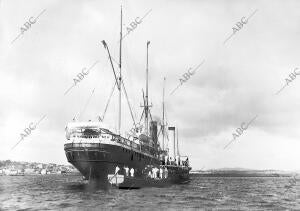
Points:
(174, 152)
(153, 132)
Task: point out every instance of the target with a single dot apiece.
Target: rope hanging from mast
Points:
(111, 93)
(86, 104)
(141, 106)
(131, 113)
(112, 65)
(119, 82)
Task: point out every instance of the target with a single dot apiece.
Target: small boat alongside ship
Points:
(137, 160)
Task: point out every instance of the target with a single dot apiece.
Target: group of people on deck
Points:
(157, 173)
(175, 162)
(154, 173)
(127, 171)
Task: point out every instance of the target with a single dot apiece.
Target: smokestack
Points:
(173, 128)
(153, 132)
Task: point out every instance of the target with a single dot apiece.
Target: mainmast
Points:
(120, 76)
(174, 152)
(163, 117)
(177, 143)
(147, 103)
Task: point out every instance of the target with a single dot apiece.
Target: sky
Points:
(236, 83)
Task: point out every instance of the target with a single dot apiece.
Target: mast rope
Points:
(86, 104)
(112, 65)
(167, 133)
(125, 92)
(150, 115)
(142, 116)
(129, 66)
(143, 108)
(118, 83)
(159, 132)
(111, 93)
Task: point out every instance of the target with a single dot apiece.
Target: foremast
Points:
(163, 117)
(120, 77)
(146, 106)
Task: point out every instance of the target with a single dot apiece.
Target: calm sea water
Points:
(57, 192)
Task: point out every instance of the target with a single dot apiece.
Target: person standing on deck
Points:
(132, 172)
(166, 173)
(155, 171)
(149, 174)
(117, 169)
(126, 171)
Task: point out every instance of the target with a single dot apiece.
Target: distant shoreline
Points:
(242, 173)
(238, 175)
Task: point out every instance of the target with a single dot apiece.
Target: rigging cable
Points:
(86, 104)
(118, 83)
(111, 93)
(110, 59)
(167, 132)
(128, 64)
(143, 109)
(128, 103)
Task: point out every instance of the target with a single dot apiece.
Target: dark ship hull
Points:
(98, 162)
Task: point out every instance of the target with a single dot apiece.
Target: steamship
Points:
(137, 160)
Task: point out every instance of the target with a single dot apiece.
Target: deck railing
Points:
(142, 148)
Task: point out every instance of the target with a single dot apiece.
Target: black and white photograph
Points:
(149, 105)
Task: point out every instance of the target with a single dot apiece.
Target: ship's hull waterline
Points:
(98, 162)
